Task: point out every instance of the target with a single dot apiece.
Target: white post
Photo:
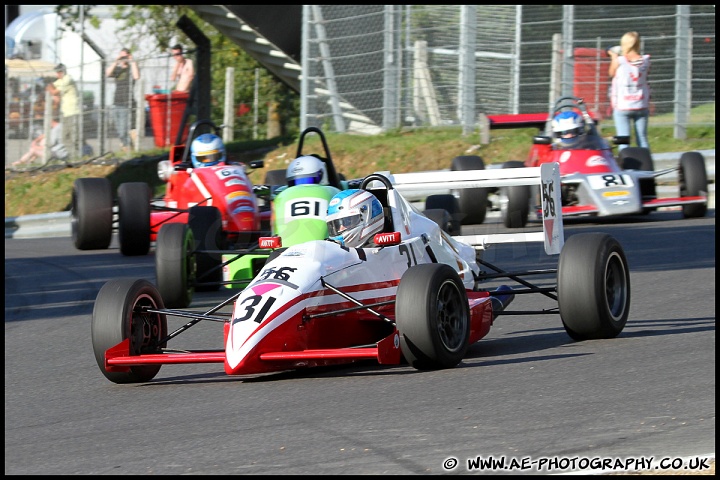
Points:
(229, 115)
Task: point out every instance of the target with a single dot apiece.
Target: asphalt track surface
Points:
(526, 392)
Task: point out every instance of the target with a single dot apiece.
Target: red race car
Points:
(237, 216)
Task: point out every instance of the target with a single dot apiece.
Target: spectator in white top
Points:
(630, 92)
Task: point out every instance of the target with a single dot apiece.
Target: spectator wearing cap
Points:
(125, 72)
(64, 91)
(184, 70)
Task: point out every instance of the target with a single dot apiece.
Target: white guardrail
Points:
(58, 224)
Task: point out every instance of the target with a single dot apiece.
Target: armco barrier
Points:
(58, 224)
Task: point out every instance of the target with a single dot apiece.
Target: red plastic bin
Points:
(161, 106)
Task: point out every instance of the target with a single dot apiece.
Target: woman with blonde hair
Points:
(630, 92)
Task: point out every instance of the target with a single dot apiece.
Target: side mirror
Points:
(621, 139)
(165, 170)
(257, 163)
(542, 140)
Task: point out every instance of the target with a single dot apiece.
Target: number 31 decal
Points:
(251, 305)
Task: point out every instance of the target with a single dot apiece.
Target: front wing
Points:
(386, 351)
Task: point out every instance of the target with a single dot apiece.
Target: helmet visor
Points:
(211, 157)
(339, 225)
(304, 181)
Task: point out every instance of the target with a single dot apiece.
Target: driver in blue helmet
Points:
(567, 127)
(207, 150)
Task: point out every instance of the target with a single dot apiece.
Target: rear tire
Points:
(433, 316)
(450, 204)
(593, 286)
(693, 181)
(175, 264)
(516, 209)
(442, 218)
(134, 218)
(276, 177)
(117, 316)
(92, 213)
(472, 202)
(206, 226)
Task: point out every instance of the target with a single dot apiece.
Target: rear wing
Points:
(518, 120)
(547, 176)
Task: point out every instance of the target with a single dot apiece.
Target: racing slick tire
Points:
(134, 218)
(636, 158)
(433, 316)
(593, 286)
(450, 204)
(175, 264)
(442, 218)
(92, 213)
(693, 181)
(116, 317)
(639, 158)
(206, 226)
(276, 177)
(472, 202)
(516, 207)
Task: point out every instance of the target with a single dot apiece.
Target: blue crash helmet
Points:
(206, 150)
(567, 127)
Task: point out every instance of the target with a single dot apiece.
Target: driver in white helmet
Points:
(306, 170)
(354, 217)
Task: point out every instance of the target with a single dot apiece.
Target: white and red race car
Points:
(594, 182)
(418, 295)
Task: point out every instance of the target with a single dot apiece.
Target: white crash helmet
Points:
(306, 170)
(354, 217)
(567, 127)
(206, 150)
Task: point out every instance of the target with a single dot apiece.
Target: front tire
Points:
(636, 158)
(692, 178)
(433, 316)
(175, 264)
(593, 286)
(206, 226)
(91, 213)
(117, 316)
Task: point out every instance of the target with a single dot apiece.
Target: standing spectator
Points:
(183, 72)
(65, 92)
(125, 72)
(630, 92)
